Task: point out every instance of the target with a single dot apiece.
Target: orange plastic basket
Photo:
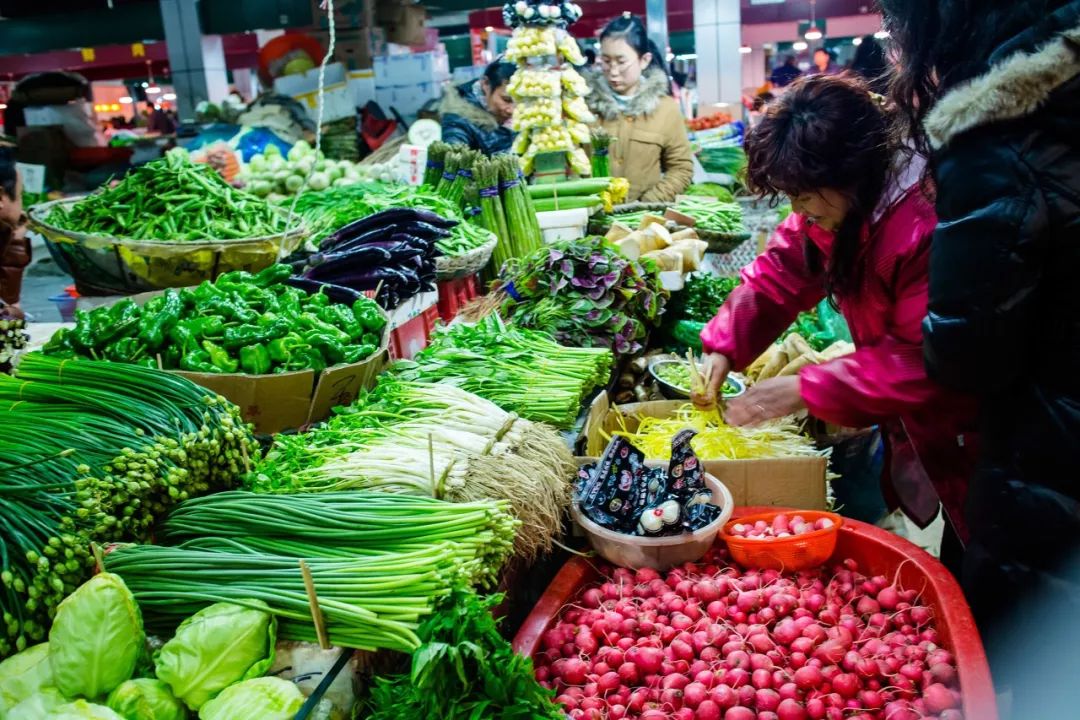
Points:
(797, 552)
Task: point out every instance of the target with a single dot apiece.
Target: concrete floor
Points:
(42, 280)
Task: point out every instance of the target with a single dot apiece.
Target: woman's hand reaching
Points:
(768, 399)
(714, 368)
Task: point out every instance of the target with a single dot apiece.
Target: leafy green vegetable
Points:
(701, 297)
(37, 705)
(220, 645)
(714, 190)
(267, 698)
(23, 675)
(82, 710)
(96, 638)
(146, 699)
(464, 670)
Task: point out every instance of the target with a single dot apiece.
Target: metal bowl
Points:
(675, 392)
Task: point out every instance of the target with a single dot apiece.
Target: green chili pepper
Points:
(318, 300)
(171, 357)
(249, 334)
(205, 292)
(272, 275)
(181, 335)
(204, 327)
(368, 314)
(356, 353)
(370, 338)
(229, 307)
(331, 348)
(310, 321)
(255, 359)
(307, 358)
(154, 327)
(198, 361)
(342, 318)
(59, 343)
(281, 349)
(219, 357)
(82, 337)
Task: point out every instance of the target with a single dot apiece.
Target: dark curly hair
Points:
(825, 132)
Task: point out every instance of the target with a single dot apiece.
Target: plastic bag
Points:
(267, 698)
(37, 706)
(220, 645)
(96, 638)
(307, 664)
(146, 699)
(82, 710)
(23, 675)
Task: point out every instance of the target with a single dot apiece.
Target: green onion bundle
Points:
(94, 452)
(434, 440)
(346, 524)
(521, 371)
(367, 603)
(172, 199)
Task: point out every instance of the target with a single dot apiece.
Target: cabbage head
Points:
(96, 638)
(146, 699)
(37, 706)
(267, 698)
(82, 710)
(216, 647)
(23, 675)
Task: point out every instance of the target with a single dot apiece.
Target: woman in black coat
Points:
(992, 90)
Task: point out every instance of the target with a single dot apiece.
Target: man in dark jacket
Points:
(477, 113)
(998, 95)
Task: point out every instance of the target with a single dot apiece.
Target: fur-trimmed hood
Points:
(464, 101)
(1015, 86)
(654, 85)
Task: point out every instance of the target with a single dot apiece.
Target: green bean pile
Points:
(95, 452)
(172, 199)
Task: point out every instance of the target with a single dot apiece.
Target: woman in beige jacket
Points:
(632, 99)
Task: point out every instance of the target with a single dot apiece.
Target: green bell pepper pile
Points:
(249, 323)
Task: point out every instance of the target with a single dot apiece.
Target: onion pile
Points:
(710, 642)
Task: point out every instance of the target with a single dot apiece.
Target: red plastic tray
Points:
(878, 553)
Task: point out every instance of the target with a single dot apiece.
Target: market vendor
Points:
(859, 235)
(631, 96)
(14, 245)
(478, 113)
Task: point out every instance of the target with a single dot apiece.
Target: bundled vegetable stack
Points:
(522, 371)
(550, 114)
(507, 209)
(825, 643)
(303, 167)
(96, 452)
(385, 562)
(708, 215)
(586, 294)
(172, 200)
(595, 192)
(434, 440)
(465, 669)
(391, 252)
(13, 337)
(330, 210)
(252, 324)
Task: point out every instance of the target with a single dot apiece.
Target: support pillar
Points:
(717, 36)
(196, 61)
(656, 25)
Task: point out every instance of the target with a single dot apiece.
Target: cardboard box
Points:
(785, 482)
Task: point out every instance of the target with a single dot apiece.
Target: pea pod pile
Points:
(95, 452)
(254, 324)
(172, 199)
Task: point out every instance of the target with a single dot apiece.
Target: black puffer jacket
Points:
(466, 121)
(1004, 315)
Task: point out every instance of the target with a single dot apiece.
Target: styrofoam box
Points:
(563, 224)
(362, 87)
(309, 82)
(467, 73)
(337, 103)
(408, 100)
(412, 69)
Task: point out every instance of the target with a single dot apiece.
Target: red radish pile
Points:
(781, 527)
(710, 642)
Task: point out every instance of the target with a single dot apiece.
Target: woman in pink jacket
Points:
(859, 235)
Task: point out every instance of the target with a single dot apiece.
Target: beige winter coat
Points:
(650, 147)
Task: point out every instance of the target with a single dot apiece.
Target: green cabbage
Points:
(96, 638)
(220, 645)
(37, 705)
(82, 710)
(146, 699)
(23, 675)
(267, 698)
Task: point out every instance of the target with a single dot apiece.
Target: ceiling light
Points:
(799, 46)
(114, 107)
(745, 49)
(126, 100)
(813, 34)
(153, 90)
(856, 41)
(881, 34)
(489, 28)
(146, 84)
(168, 96)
